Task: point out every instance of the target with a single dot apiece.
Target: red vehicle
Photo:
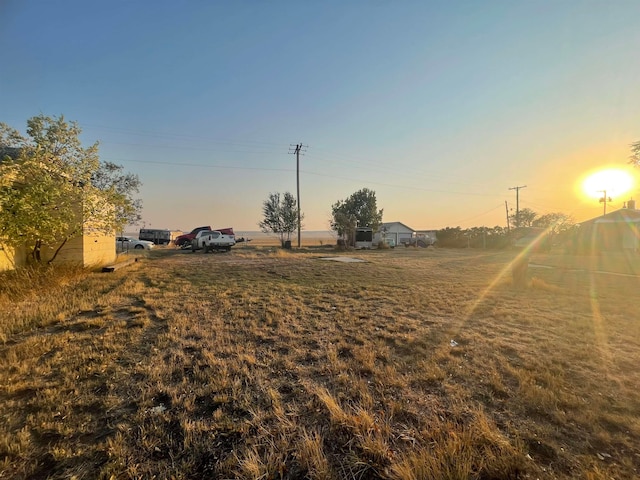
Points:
(185, 240)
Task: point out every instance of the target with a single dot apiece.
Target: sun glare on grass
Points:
(613, 181)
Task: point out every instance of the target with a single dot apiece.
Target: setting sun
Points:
(612, 181)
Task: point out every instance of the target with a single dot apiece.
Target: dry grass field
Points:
(267, 364)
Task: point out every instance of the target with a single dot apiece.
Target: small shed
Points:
(92, 247)
(396, 231)
(89, 249)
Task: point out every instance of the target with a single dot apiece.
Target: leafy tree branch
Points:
(53, 189)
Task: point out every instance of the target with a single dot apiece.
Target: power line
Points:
(247, 147)
(190, 147)
(265, 148)
(404, 172)
(406, 187)
(203, 165)
(385, 169)
(306, 172)
(146, 133)
(478, 215)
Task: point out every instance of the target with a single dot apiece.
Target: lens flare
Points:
(613, 181)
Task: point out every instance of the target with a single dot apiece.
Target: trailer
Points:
(364, 238)
(158, 236)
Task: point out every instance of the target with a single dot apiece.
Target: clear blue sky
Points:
(439, 107)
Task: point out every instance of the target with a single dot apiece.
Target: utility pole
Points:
(604, 200)
(297, 150)
(517, 189)
(506, 207)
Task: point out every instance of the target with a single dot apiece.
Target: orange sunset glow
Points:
(609, 182)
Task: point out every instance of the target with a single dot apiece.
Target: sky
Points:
(440, 108)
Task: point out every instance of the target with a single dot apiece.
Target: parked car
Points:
(128, 243)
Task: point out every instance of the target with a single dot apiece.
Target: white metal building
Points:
(396, 231)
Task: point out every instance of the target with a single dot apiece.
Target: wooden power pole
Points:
(297, 150)
(517, 189)
(506, 207)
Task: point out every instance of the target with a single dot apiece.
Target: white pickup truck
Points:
(210, 240)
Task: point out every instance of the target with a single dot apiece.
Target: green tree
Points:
(523, 218)
(556, 222)
(452, 237)
(344, 223)
(280, 216)
(53, 189)
(359, 210)
(121, 187)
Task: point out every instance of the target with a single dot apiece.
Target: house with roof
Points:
(617, 231)
(397, 232)
(91, 248)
